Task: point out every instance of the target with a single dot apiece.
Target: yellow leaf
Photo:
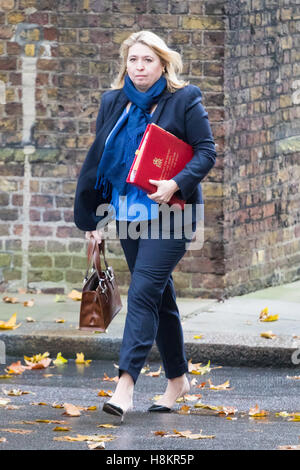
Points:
(53, 421)
(71, 410)
(227, 410)
(184, 410)
(264, 316)
(61, 428)
(80, 359)
(106, 426)
(188, 435)
(156, 397)
(159, 433)
(296, 417)
(293, 416)
(10, 324)
(10, 300)
(103, 393)
(59, 360)
(59, 320)
(59, 298)
(283, 414)
(96, 445)
(40, 403)
(39, 361)
(224, 386)
(6, 376)
(188, 398)
(198, 336)
(154, 374)
(81, 438)
(257, 413)
(208, 407)
(110, 379)
(270, 318)
(17, 431)
(268, 335)
(75, 295)
(264, 312)
(196, 369)
(15, 392)
(37, 358)
(4, 401)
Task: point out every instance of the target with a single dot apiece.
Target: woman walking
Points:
(147, 89)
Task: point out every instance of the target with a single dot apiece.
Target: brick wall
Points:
(261, 164)
(57, 57)
(56, 60)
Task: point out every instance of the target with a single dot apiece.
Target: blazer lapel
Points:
(121, 102)
(160, 106)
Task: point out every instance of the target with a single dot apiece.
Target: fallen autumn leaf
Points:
(71, 410)
(10, 324)
(59, 360)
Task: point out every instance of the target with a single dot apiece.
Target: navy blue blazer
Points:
(180, 113)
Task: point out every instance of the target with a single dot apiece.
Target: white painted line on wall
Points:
(2, 93)
(28, 150)
(28, 97)
(29, 116)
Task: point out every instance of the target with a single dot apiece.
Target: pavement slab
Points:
(229, 330)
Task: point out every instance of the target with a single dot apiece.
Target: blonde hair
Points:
(171, 60)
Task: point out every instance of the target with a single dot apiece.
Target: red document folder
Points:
(160, 156)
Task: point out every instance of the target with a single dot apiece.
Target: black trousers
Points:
(152, 312)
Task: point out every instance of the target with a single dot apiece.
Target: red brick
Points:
(40, 231)
(41, 201)
(35, 215)
(39, 18)
(50, 34)
(8, 63)
(6, 32)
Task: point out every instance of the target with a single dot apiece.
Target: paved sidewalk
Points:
(230, 330)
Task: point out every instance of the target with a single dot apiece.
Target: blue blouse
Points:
(136, 205)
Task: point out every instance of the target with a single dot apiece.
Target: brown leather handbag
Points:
(101, 299)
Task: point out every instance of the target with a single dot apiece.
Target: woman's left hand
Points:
(165, 190)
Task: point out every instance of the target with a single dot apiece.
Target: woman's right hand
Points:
(97, 234)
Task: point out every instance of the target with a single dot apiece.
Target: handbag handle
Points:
(93, 252)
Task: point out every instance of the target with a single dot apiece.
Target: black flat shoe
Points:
(115, 410)
(160, 409)
(166, 409)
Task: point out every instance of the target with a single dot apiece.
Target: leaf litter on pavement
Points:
(98, 441)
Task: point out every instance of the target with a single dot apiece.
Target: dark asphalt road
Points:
(79, 385)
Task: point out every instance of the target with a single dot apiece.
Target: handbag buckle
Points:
(110, 274)
(102, 285)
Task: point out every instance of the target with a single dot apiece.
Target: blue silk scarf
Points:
(119, 152)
